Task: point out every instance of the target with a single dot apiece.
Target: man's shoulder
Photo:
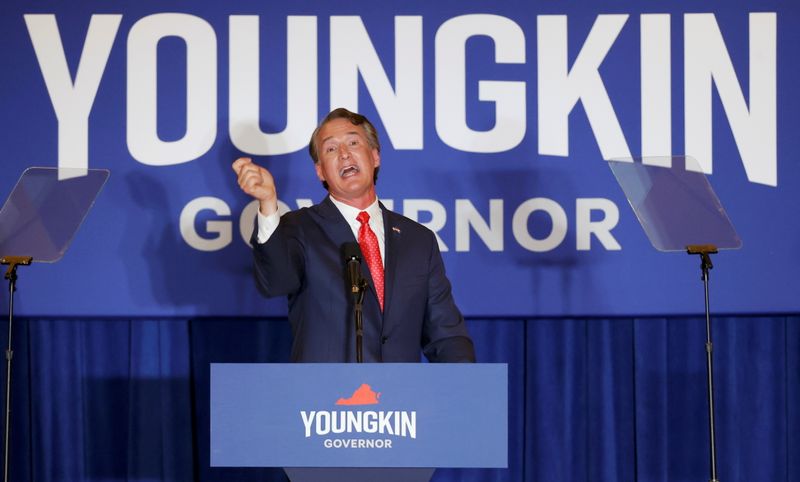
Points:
(303, 214)
(405, 225)
(296, 215)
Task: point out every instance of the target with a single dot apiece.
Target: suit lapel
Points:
(333, 223)
(338, 230)
(391, 234)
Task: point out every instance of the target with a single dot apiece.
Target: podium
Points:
(338, 421)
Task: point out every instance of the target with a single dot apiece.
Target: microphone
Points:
(352, 259)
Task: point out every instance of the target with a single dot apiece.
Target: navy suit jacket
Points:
(303, 261)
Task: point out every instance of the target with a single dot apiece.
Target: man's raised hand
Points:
(257, 182)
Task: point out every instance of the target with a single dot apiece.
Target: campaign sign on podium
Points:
(359, 415)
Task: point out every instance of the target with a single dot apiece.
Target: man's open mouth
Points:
(348, 171)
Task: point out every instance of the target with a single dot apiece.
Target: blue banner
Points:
(496, 120)
(364, 415)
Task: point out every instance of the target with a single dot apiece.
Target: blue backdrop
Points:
(496, 120)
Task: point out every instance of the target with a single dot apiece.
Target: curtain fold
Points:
(589, 399)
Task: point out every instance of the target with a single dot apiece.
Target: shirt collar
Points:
(350, 213)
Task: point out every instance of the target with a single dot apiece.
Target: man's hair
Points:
(356, 120)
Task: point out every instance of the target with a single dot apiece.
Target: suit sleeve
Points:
(444, 337)
(280, 262)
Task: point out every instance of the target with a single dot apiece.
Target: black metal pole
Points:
(11, 276)
(9, 356)
(705, 252)
(359, 316)
(710, 377)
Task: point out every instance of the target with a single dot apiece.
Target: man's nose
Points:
(344, 152)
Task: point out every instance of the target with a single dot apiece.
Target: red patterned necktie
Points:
(372, 253)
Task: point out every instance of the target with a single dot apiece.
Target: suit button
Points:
(384, 339)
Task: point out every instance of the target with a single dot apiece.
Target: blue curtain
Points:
(590, 399)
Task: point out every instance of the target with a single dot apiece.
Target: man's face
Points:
(347, 162)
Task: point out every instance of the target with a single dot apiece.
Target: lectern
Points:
(375, 421)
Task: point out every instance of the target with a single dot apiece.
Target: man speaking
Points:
(408, 305)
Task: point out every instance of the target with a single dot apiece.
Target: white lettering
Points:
(323, 423)
(308, 418)
(385, 422)
(398, 98)
(354, 421)
(559, 89)
(352, 53)
(222, 228)
(707, 61)
(520, 224)
(656, 92)
(338, 422)
(468, 217)
(144, 143)
(72, 101)
(357, 443)
(370, 422)
(585, 227)
(408, 424)
(244, 89)
(509, 97)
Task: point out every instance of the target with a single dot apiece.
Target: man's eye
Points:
(330, 149)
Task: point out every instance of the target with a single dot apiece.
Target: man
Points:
(408, 305)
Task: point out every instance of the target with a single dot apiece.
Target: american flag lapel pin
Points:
(396, 229)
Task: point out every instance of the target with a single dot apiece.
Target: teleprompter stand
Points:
(705, 251)
(37, 223)
(11, 276)
(679, 211)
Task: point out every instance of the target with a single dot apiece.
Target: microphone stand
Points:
(11, 276)
(705, 265)
(357, 287)
(358, 293)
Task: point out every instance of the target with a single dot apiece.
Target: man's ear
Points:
(318, 168)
